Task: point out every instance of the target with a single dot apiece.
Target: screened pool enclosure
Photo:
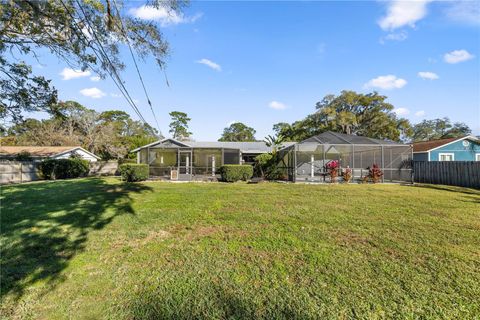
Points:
(308, 160)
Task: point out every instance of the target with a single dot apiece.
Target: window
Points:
(477, 157)
(446, 157)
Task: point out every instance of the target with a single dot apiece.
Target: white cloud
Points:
(162, 15)
(386, 82)
(420, 113)
(92, 93)
(95, 78)
(277, 105)
(401, 111)
(116, 95)
(68, 74)
(457, 56)
(465, 11)
(210, 63)
(395, 36)
(427, 75)
(403, 13)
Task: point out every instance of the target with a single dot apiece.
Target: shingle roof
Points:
(11, 151)
(424, 146)
(244, 147)
(330, 137)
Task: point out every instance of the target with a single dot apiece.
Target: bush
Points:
(332, 168)
(347, 175)
(267, 166)
(236, 172)
(64, 168)
(24, 156)
(132, 172)
(374, 173)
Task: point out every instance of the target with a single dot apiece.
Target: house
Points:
(452, 149)
(197, 159)
(40, 153)
(303, 161)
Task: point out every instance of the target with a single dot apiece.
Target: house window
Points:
(446, 157)
(477, 157)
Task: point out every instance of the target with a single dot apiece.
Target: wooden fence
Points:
(454, 173)
(23, 171)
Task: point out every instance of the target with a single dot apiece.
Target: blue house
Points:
(452, 149)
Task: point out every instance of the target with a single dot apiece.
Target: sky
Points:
(266, 62)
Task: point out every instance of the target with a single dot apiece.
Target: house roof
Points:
(40, 152)
(330, 137)
(244, 147)
(425, 146)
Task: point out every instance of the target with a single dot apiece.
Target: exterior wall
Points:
(420, 156)
(460, 152)
(78, 152)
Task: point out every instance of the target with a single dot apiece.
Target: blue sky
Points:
(265, 62)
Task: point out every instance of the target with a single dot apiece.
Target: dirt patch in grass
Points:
(351, 238)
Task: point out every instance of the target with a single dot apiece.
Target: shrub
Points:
(374, 173)
(332, 168)
(347, 175)
(132, 172)
(236, 172)
(267, 167)
(24, 156)
(64, 168)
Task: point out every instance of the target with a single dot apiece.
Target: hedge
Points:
(64, 168)
(132, 172)
(236, 172)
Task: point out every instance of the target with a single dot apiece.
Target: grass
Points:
(98, 248)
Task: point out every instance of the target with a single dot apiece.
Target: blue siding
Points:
(460, 152)
(420, 156)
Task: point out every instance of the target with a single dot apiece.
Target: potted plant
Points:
(332, 168)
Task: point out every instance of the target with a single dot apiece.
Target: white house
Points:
(40, 153)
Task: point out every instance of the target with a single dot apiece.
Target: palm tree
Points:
(275, 142)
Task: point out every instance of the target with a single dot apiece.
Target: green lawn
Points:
(98, 248)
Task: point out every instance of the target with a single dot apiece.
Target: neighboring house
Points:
(452, 149)
(40, 153)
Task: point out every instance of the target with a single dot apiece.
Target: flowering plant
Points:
(332, 168)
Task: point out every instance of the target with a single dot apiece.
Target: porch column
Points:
(138, 156)
(187, 165)
(213, 166)
(312, 166)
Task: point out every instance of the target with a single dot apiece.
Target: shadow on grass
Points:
(44, 225)
(449, 188)
(471, 195)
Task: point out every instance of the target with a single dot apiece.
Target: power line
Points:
(103, 57)
(135, 63)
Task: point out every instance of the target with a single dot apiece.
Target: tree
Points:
(238, 132)
(20, 91)
(274, 142)
(110, 134)
(179, 125)
(351, 113)
(439, 129)
(85, 34)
